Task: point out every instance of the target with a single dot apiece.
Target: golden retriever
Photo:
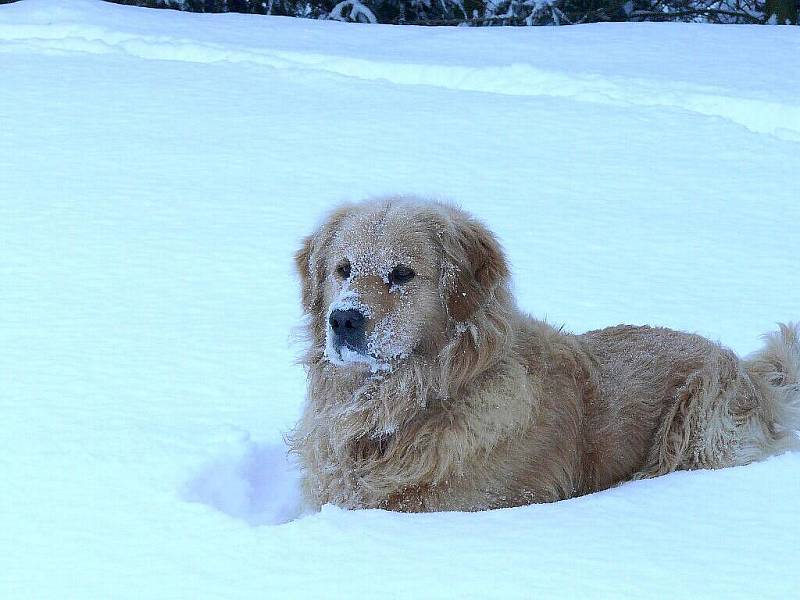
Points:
(429, 390)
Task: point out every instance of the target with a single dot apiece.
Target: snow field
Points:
(157, 171)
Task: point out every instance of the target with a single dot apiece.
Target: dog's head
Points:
(386, 280)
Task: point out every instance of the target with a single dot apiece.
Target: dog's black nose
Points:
(348, 326)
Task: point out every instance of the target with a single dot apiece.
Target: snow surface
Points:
(157, 171)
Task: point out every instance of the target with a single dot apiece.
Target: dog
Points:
(429, 390)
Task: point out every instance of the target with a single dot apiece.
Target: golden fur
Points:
(466, 403)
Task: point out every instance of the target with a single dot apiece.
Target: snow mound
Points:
(257, 483)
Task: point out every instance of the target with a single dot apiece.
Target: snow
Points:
(347, 299)
(157, 172)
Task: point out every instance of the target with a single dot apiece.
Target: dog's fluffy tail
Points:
(777, 366)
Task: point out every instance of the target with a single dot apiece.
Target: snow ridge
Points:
(757, 114)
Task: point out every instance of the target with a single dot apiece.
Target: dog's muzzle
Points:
(348, 329)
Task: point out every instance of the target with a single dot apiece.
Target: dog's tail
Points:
(777, 366)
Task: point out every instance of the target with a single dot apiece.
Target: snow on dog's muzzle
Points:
(348, 327)
(349, 341)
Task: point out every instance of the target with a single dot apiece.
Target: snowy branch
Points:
(358, 12)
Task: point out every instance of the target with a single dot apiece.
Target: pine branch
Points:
(693, 12)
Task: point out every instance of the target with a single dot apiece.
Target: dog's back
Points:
(672, 400)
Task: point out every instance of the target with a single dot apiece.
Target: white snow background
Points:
(157, 171)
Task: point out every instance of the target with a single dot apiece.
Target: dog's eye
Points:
(400, 275)
(343, 270)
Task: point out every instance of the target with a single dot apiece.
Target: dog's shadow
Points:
(254, 482)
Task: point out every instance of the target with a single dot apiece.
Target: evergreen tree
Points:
(500, 12)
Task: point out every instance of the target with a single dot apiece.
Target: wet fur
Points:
(493, 408)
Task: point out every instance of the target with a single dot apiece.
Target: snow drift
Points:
(159, 169)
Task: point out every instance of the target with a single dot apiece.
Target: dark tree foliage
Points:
(500, 12)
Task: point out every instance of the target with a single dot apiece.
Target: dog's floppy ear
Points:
(310, 260)
(478, 266)
(474, 280)
(308, 285)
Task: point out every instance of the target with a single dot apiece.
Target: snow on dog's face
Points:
(387, 279)
(378, 278)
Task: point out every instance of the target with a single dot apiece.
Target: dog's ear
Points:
(474, 280)
(478, 266)
(308, 285)
(311, 261)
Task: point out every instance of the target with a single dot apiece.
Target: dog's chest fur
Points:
(515, 437)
